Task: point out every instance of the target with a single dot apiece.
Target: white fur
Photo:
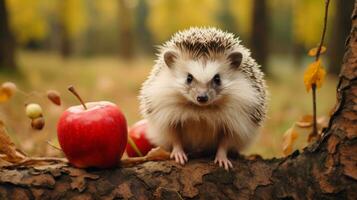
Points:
(201, 126)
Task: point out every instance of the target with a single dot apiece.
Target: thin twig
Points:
(327, 2)
(314, 125)
(318, 53)
(53, 146)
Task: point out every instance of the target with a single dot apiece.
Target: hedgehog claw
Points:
(179, 155)
(223, 161)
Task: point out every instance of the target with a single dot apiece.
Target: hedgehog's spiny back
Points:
(202, 41)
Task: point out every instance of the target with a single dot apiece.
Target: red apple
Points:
(138, 144)
(93, 134)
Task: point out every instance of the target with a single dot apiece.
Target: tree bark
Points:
(7, 41)
(340, 29)
(327, 169)
(260, 33)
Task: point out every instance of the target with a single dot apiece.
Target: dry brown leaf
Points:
(7, 90)
(76, 172)
(8, 148)
(4, 163)
(322, 122)
(313, 51)
(155, 154)
(41, 161)
(305, 121)
(288, 140)
(54, 97)
(4, 95)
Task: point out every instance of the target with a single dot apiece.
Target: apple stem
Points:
(71, 89)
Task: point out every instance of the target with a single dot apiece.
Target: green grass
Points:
(108, 78)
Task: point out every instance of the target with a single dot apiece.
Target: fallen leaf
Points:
(322, 122)
(158, 153)
(7, 90)
(314, 75)
(54, 97)
(4, 163)
(40, 162)
(155, 154)
(305, 121)
(8, 148)
(313, 51)
(76, 172)
(288, 140)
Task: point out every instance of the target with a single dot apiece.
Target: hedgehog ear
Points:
(235, 59)
(169, 58)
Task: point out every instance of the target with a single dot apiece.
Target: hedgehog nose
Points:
(202, 98)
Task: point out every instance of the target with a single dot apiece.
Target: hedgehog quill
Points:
(204, 94)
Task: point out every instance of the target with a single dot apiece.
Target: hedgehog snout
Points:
(202, 98)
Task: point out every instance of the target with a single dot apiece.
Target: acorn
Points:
(38, 123)
(33, 110)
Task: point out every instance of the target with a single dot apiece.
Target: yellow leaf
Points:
(8, 148)
(288, 140)
(313, 51)
(314, 74)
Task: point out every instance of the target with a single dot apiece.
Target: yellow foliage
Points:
(26, 20)
(314, 74)
(73, 16)
(30, 20)
(242, 13)
(107, 11)
(307, 20)
(168, 16)
(313, 51)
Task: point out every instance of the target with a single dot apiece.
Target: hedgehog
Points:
(205, 93)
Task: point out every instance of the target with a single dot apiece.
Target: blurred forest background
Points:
(106, 48)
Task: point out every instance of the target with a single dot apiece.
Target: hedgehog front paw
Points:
(223, 161)
(179, 155)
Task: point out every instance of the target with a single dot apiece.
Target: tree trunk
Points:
(225, 17)
(260, 33)
(7, 42)
(144, 35)
(326, 169)
(126, 40)
(66, 48)
(66, 45)
(340, 29)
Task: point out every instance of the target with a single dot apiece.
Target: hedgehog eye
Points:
(217, 79)
(189, 79)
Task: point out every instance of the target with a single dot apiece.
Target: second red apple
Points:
(138, 144)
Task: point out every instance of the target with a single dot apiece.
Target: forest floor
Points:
(108, 78)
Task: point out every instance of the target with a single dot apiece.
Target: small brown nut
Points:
(54, 97)
(38, 123)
